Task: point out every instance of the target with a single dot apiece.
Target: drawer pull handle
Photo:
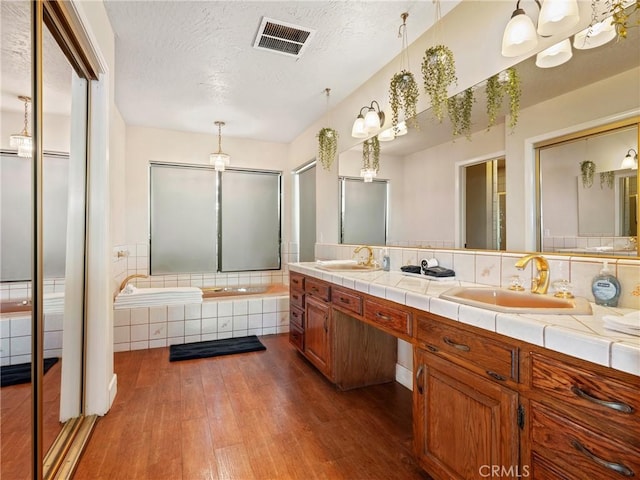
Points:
(383, 317)
(453, 344)
(432, 348)
(344, 300)
(616, 467)
(619, 406)
(496, 376)
(295, 297)
(314, 289)
(418, 381)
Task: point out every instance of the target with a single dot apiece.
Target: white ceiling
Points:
(184, 64)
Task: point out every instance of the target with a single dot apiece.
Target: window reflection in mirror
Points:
(363, 215)
(485, 205)
(589, 212)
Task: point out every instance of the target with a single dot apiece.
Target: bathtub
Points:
(149, 297)
(261, 290)
(53, 303)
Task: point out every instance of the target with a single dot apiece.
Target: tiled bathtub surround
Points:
(159, 326)
(22, 290)
(617, 246)
(15, 337)
(497, 268)
(141, 328)
(134, 259)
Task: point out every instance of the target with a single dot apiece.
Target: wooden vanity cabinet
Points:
(296, 310)
(327, 327)
(583, 419)
(318, 333)
(465, 420)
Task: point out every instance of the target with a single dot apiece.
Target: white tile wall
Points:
(15, 337)
(213, 319)
(497, 268)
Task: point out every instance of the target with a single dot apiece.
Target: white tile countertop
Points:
(580, 336)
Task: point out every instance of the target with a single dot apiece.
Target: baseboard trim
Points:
(404, 376)
(113, 390)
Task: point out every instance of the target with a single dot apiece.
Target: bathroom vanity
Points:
(484, 404)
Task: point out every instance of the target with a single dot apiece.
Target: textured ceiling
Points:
(182, 65)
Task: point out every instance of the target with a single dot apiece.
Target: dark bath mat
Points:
(215, 348)
(21, 373)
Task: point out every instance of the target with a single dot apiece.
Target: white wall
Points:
(144, 145)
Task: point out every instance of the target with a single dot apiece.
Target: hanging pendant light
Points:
(23, 141)
(219, 160)
(557, 16)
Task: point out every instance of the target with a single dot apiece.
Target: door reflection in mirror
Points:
(485, 205)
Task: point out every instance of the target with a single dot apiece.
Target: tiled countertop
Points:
(581, 336)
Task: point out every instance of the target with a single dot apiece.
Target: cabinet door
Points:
(317, 334)
(465, 426)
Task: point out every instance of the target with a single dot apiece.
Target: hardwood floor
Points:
(262, 415)
(15, 423)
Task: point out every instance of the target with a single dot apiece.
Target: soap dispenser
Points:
(606, 287)
(386, 261)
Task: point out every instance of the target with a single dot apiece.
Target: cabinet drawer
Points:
(296, 299)
(494, 358)
(347, 299)
(296, 281)
(603, 398)
(296, 315)
(317, 288)
(296, 337)
(585, 453)
(387, 316)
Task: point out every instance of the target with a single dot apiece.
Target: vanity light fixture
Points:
(557, 16)
(219, 160)
(365, 125)
(520, 34)
(595, 35)
(630, 161)
(555, 55)
(23, 141)
(387, 135)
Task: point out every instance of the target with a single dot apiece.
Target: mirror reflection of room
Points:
(588, 203)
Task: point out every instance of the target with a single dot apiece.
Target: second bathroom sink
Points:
(509, 301)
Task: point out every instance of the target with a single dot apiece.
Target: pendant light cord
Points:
(404, 53)
(327, 93)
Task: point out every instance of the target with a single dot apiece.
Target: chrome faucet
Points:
(126, 280)
(369, 261)
(540, 284)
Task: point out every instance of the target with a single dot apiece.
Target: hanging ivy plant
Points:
(622, 17)
(512, 89)
(327, 147)
(587, 170)
(403, 96)
(438, 72)
(459, 108)
(371, 153)
(608, 178)
(506, 82)
(495, 93)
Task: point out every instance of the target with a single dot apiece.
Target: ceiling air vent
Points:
(282, 37)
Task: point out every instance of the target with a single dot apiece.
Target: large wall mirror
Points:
(588, 194)
(45, 97)
(426, 168)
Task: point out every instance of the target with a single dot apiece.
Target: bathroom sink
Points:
(509, 301)
(345, 266)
